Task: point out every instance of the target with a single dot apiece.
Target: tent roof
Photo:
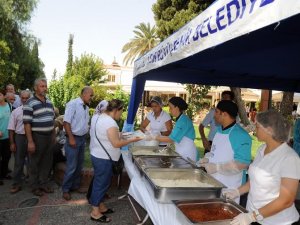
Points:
(264, 58)
(232, 43)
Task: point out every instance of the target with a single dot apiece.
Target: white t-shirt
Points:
(158, 124)
(103, 124)
(265, 175)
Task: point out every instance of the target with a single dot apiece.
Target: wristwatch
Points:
(258, 216)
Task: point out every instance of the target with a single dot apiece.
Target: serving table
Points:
(140, 190)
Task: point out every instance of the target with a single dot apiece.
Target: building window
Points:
(111, 78)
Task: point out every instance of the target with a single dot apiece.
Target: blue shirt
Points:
(4, 119)
(183, 128)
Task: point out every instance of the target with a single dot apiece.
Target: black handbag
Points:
(117, 166)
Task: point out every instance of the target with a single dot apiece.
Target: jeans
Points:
(102, 180)
(75, 158)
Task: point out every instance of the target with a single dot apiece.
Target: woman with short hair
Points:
(105, 136)
(273, 176)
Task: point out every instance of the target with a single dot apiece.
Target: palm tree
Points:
(144, 40)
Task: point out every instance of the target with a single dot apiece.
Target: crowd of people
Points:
(33, 131)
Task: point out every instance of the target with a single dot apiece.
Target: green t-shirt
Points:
(4, 119)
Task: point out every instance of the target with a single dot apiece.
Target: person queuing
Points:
(230, 153)
(273, 176)
(38, 119)
(18, 142)
(5, 111)
(10, 98)
(10, 88)
(105, 137)
(183, 134)
(160, 121)
(76, 126)
(209, 120)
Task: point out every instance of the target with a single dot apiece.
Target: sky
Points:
(100, 27)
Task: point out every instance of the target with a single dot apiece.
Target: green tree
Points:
(18, 49)
(89, 68)
(171, 15)
(196, 95)
(70, 53)
(86, 70)
(144, 40)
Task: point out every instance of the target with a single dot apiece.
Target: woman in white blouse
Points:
(105, 136)
(159, 120)
(273, 176)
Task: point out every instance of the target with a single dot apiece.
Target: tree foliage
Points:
(171, 15)
(196, 94)
(86, 70)
(20, 63)
(89, 68)
(144, 40)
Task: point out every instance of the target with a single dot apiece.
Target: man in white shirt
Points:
(76, 121)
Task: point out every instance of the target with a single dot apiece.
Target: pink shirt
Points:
(16, 121)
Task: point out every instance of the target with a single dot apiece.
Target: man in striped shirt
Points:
(38, 118)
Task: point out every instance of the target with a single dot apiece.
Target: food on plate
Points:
(209, 212)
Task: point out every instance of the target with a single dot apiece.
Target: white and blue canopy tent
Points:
(240, 43)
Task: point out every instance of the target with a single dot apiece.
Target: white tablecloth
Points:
(140, 190)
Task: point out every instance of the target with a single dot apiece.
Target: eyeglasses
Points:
(84, 107)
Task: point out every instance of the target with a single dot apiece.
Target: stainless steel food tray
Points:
(198, 205)
(144, 162)
(167, 194)
(150, 151)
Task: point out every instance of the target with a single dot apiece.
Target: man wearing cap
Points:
(76, 126)
(231, 148)
(160, 121)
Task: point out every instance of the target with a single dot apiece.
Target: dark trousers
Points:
(20, 155)
(40, 162)
(4, 157)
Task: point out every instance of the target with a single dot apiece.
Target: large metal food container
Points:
(207, 211)
(150, 151)
(144, 162)
(166, 193)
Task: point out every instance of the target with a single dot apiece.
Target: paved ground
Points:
(51, 209)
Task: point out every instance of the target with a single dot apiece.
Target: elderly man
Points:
(76, 120)
(10, 88)
(18, 142)
(10, 98)
(230, 153)
(38, 118)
